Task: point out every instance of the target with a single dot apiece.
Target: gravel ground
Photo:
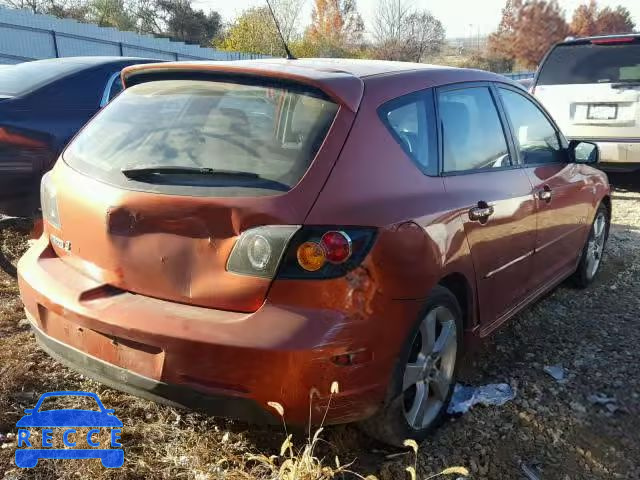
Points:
(586, 427)
(557, 427)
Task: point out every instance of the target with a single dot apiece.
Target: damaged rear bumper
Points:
(229, 364)
(141, 386)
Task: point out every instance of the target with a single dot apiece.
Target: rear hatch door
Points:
(152, 195)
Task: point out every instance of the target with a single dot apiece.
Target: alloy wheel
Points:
(595, 247)
(429, 371)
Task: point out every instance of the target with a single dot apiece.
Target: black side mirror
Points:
(584, 152)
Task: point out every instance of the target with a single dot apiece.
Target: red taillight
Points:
(611, 40)
(334, 247)
(337, 246)
(319, 252)
(19, 140)
(21, 153)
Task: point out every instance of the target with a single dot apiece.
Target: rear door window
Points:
(267, 134)
(472, 133)
(536, 137)
(586, 63)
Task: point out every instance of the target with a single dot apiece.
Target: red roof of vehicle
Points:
(342, 79)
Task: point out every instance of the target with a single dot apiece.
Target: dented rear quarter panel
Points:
(374, 183)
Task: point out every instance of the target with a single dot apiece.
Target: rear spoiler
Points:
(341, 87)
(601, 40)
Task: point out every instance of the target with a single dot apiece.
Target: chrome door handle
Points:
(545, 194)
(480, 213)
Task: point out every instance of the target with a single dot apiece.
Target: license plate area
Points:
(602, 111)
(140, 358)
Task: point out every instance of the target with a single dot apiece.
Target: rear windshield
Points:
(25, 77)
(267, 134)
(589, 63)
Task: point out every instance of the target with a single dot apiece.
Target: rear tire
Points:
(425, 375)
(593, 250)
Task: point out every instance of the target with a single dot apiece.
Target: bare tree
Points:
(148, 17)
(402, 33)
(76, 9)
(390, 17)
(287, 12)
(424, 35)
(36, 6)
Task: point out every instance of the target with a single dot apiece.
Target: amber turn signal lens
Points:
(311, 256)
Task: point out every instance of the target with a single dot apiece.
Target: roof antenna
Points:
(284, 43)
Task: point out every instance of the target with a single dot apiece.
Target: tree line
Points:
(528, 28)
(398, 31)
(176, 19)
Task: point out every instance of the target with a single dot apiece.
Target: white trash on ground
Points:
(601, 399)
(609, 403)
(464, 397)
(558, 372)
(529, 472)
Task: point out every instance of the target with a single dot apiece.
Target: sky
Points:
(461, 18)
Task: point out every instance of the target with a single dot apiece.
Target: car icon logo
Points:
(67, 420)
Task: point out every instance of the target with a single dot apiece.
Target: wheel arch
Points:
(606, 201)
(462, 289)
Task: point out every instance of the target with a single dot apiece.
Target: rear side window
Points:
(239, 135)
(472, 134)
(410, 119)
(112, 88)
(536, 137)
(116, 87)
(590, 63)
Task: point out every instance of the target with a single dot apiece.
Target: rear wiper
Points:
(627, 83)
(137, 172)
(147, 174)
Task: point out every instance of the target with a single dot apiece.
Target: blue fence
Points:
(25, 36)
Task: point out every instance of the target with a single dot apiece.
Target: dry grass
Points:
(12, 242)
(159, 441)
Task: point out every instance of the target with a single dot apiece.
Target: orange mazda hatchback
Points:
(227, 234)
